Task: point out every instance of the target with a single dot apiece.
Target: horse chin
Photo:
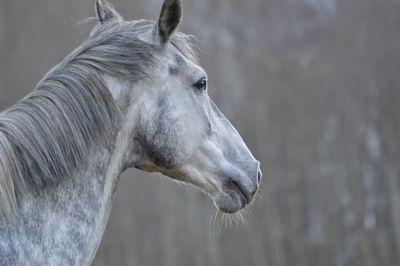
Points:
(229, 202)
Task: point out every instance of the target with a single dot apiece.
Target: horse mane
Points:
(46, 135)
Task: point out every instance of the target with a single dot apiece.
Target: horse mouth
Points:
(231, 198)
(234, 186)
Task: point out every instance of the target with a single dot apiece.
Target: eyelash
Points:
(201, 84)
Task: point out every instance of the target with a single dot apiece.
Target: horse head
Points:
(173, 126)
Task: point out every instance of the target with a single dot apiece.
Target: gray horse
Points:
(132, 95)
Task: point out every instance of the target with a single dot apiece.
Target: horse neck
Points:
(64, 224)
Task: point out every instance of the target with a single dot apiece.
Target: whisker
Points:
(248, 212)
(243, 220)
(263, 187)
(212, 227)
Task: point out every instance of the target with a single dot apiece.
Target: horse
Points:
(132, 95)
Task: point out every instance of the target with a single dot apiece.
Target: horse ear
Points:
(105, 11)
(171, 14)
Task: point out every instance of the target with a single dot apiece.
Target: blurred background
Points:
(313, 86)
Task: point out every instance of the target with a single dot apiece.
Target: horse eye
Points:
(201, 84)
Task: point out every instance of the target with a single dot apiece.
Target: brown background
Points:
(313, 86)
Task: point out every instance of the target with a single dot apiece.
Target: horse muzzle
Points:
(237, 191)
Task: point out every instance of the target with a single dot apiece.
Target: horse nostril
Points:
(259, 176)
